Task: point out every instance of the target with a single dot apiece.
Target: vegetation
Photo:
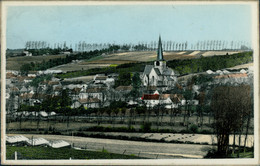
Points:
(232, 108)
(124, 68)
(35, 82)
(59, 61)
(37, 152)
(136, 83)
(210, 63)
(124, 79)
(247, 153)
(186, 66)
(47, 51)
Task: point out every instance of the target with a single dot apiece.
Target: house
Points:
(10, 75)
(150, 100)
(32, 74)
(167, 101)
(90, 102)
(189, 102)
(95, 92)
(232, 78)
(122, 92)
(65, 52)
(27, 53)
(103, 81)
(100, 78)
(74, 93)
(159, 74)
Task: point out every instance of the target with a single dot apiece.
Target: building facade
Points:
(159, 74)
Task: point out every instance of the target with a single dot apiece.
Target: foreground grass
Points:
(36, 152)
(243, 153)
(249, 154)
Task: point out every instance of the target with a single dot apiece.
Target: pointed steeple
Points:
(160, 50)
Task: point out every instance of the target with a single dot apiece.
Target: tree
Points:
(230, 105)
(136, 82)
(124, 79)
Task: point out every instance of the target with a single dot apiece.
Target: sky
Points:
(127, 23)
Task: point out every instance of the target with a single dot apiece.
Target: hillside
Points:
(105, 60)
(133, 57)
(182, 66)
(14, 63)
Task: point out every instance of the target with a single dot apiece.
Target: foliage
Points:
(194, 128)
(230, 106)
(124, 79)
(118, 104)
(182, 66)
(113, 65)
(59, 104)
(47, 51)
(35, 82)
(124, 68)
(210, 63)
(146, 127)
(136, 82)
(59, 61)
(140, 47)
(213, 153)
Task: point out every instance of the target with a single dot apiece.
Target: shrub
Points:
(206, 132)
(194, 128)
(146, 127)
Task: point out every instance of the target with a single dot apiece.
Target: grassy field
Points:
(48, 153)
(134, 57)
(120, 58)
(81, 124)
(14, 63)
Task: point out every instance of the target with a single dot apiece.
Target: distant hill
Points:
(105, 60)
(14, 63)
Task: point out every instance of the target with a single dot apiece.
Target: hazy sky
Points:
(127, 24)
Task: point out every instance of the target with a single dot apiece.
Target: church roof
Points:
(160, 50)
(148, 69)
(157, 71)
(169, 78)
(167, 71)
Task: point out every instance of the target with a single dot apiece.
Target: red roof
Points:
(235, 75)
(150, 97)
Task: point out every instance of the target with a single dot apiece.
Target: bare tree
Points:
(229, 112)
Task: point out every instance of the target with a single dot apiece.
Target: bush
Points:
(194, 128)
(206, 132)
(146, 127)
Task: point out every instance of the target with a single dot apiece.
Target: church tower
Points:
(160, 63)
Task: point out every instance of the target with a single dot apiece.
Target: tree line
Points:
(83, 46)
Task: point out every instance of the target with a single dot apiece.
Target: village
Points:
(157, 87)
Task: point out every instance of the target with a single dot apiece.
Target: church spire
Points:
(160, 50)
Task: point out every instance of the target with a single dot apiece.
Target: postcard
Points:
(129, 83)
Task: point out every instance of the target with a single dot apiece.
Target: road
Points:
(143, 149)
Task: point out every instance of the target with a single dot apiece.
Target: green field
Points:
(37, 152)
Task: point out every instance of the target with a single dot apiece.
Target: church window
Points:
(153, 80)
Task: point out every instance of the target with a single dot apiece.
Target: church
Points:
(159, 75)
